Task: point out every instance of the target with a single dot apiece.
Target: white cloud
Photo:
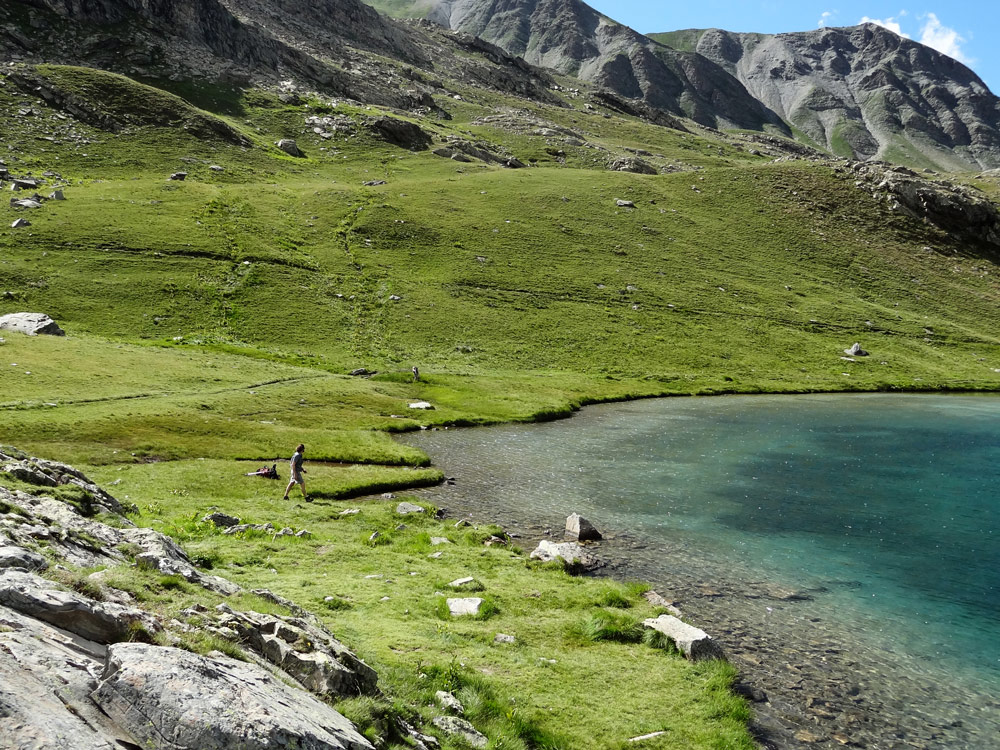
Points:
(826, 17)
(943, 39)
(889, 23)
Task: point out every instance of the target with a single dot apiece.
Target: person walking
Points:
(296, 470)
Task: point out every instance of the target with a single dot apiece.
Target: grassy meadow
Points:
(212, 324)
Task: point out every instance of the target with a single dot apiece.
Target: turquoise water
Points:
(886, 506)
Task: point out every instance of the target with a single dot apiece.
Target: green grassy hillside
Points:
(213, 321)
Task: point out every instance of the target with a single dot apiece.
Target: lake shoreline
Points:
(820, 691)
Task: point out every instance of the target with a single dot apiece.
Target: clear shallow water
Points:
(886, 508)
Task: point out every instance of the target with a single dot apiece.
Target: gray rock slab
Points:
(405, 509)
(19, 557)
(695, 644)
(46, 675)
(169, 698)
(101, 622)
(30, 323)
(162, 554)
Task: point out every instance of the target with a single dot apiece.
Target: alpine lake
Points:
(844, 549)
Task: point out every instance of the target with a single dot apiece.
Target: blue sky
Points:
(968, 30)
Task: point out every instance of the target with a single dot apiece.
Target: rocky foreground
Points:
(89, 665)
(85, 665)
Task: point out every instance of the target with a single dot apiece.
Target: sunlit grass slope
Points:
(212, 324)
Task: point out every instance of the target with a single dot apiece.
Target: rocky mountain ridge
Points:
(341, 48)
(865, 92)
(860, 92)
(574, 39)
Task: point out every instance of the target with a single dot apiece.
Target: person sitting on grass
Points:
(296, 470)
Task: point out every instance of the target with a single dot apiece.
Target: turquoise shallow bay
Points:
(885, 507)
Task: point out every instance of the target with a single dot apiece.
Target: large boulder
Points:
(399, 132)
(631, 164)
(290, 147)
(30, 323)
(169, 698)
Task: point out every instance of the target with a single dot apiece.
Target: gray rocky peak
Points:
(865, 92)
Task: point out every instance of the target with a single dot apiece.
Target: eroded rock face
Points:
(959, 210)
(166, 697)
(40, 598)
(574, 39)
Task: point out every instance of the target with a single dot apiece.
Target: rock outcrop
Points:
(80, 669)
(959, 210)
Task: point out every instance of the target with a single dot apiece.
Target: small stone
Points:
(649, 736)
(436, 540)
(424, 405)
(695, 644)
(449, 702)
(461, 583)
(350, 512)
(221, 519)
(624, 204)
(20, 223)
(179, 176)
(462, 607)
(503, 638)
(856, 351)
(461, 728)
(290, 147)
(579, 528)
(405, 509)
